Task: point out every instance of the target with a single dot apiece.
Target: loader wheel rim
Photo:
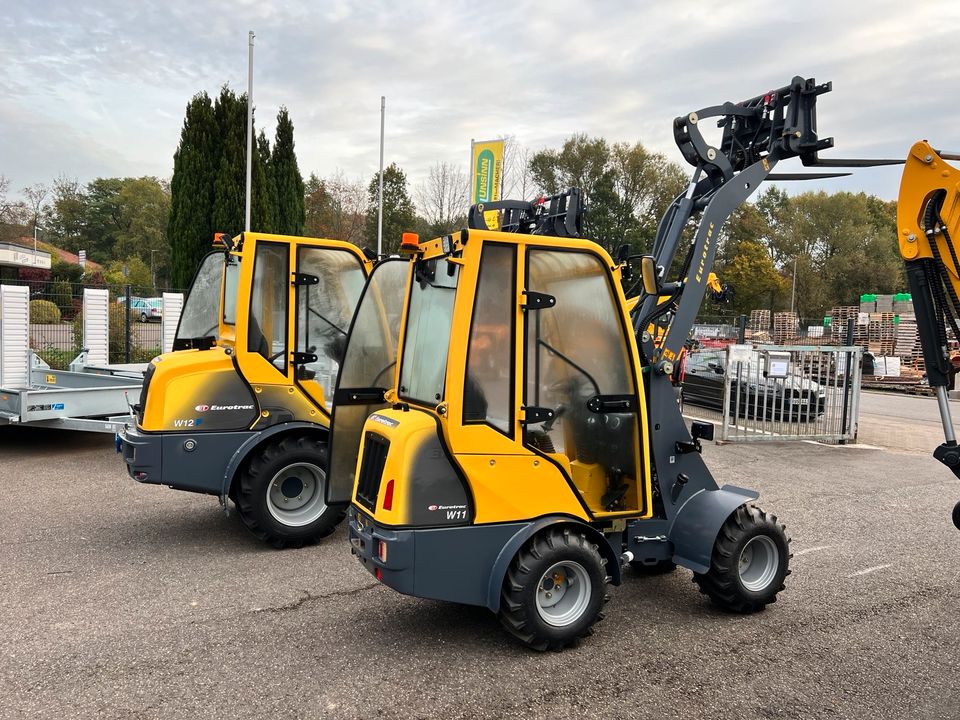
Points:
(295, 495)
(563, 593)
(759, 563)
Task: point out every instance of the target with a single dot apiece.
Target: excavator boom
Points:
(928, 222)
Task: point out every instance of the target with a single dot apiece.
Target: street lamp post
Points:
(153, 273)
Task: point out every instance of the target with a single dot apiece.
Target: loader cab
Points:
(515, 391)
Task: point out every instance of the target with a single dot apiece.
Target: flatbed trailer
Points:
(92, 399)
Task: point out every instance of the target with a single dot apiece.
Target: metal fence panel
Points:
(816, 399)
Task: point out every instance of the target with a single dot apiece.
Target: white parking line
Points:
(868, 570)
(798, 553)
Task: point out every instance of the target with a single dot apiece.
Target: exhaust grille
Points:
(375, 449)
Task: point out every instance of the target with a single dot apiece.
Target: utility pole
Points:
(250, 36)
(383, 110)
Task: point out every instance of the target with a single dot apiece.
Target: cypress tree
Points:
(286, 174)
(189, 228)
(264, 202)
(230, 182)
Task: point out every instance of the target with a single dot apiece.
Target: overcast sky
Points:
(99, 88)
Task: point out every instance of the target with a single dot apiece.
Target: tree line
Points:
(813, 249)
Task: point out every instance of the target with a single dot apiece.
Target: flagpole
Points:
(471, 180)
(383, 109)
(246, 222)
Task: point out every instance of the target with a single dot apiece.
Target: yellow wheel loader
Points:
(527, 442)
(241, 407)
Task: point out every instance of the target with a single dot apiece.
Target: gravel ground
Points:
(119, 601)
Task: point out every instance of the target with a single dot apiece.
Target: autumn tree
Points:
(442, 199)
(399, 214)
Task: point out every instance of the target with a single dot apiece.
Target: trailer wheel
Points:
(281, 496)
(751, 559)
(554, 590)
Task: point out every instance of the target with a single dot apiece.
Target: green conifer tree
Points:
(286, 174)
(190, 229)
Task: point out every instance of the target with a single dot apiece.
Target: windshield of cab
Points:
(427, 337)
(201, 312)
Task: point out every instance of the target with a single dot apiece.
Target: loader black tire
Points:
(525, 606)
(273, 469)
(658, 568)
(956, 516)
(751, 560)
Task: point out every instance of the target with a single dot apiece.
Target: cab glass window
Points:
(488, 385)
(324, 311)
(424, 360)
(267, 334)
(231, 281)
(199, 316)
(576, 351)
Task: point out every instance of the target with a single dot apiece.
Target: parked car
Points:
(144, 309)
(760, 398)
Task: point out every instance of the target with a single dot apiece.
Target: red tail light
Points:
(378, 574)
(388, 496)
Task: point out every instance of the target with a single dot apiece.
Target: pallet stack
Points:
(760, 320)
(907, 341)
(838, 325)
(784, 327)
(881, 333)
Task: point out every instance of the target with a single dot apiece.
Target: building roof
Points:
(63, 255)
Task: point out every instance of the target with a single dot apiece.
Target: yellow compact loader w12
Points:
(525, 441)
(241, 407)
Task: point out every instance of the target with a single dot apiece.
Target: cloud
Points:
(100, 87)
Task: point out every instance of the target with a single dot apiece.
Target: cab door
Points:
(328, 282)
(580, 396)
(369, 369)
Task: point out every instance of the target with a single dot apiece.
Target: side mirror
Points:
(648, 273)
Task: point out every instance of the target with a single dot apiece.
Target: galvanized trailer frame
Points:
(93, 399)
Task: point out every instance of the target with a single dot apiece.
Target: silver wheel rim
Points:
(563, 593)
(759, 563)
(295, 495)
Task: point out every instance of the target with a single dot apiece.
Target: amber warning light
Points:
(409, 242)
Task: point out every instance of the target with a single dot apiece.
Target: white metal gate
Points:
(795, 392)
(775, 392)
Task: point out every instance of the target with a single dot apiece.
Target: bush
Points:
(44, 312)
(117, 336)
(61, 293)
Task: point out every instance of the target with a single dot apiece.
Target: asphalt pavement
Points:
(126, 601)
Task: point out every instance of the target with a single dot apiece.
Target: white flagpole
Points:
(383, 107)
(250, 36)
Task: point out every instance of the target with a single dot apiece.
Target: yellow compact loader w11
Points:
(241, 407)
(525, 439)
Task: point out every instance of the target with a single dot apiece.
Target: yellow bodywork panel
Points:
(925, 173)
(512, 487)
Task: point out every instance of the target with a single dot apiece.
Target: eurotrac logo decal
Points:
(221, 408)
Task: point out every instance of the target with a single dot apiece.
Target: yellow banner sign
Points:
(486, 165)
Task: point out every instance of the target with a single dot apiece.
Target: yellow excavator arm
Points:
(928, 223)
